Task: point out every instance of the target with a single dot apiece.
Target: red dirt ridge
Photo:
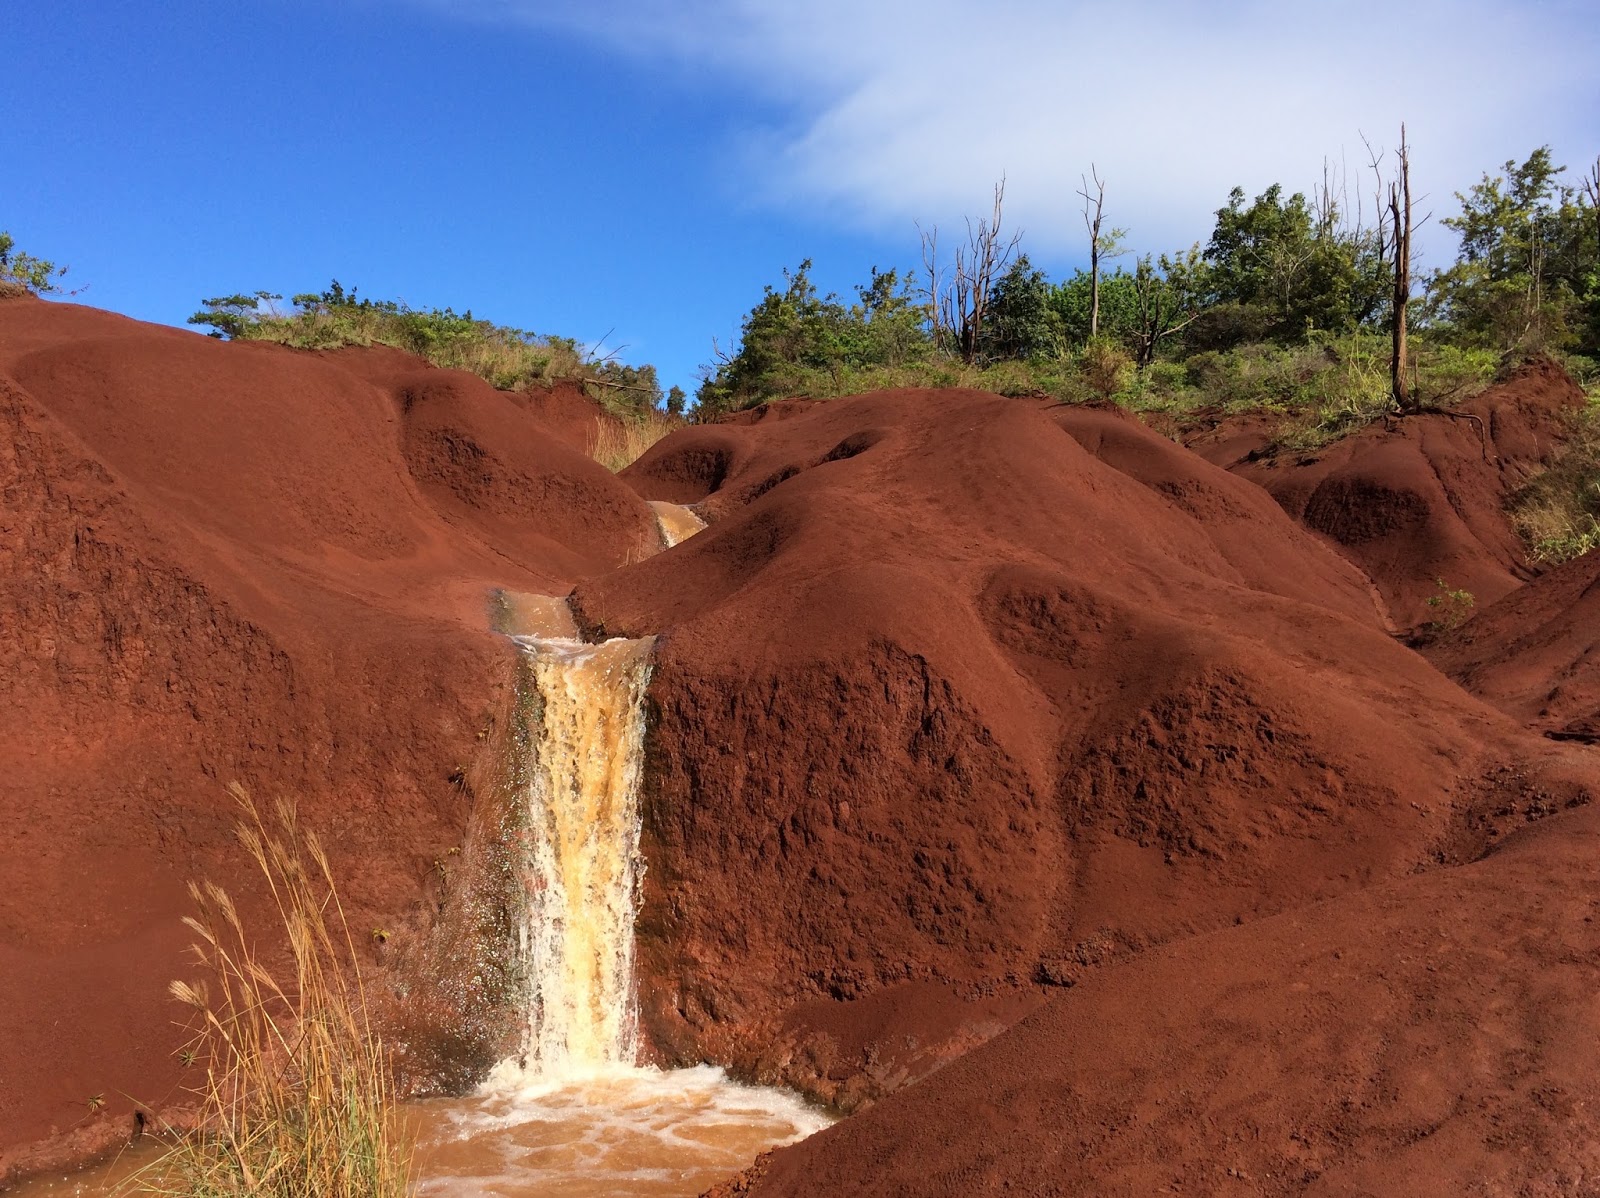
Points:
(1421, 499)
(1059, 801)
(226, 562)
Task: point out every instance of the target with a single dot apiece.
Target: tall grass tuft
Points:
(298, 1100)
(619, 442)
(1558, 511)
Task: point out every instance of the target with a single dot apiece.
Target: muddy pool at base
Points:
(617, 1133)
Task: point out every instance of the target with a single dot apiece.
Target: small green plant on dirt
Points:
(297, 1099)
(1452, 607)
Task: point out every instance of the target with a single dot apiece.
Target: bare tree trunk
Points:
(977, 267)
(1092, 221)
(930, 263)
(1400, 215)
(1591, 188)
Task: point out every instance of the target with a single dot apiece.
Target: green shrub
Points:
(1452, 607)
(508, 358)
(37, 275)
(1106, 367)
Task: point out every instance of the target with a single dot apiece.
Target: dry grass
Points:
(297, 1100)
(618, 443)
(505, 357)
(1558, 511)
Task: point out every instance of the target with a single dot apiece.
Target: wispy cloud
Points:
(899, 110)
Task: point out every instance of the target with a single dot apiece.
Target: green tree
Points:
(233, 316)
(796, 340)
(1072, 300)
(1022, 321)
(1526, 272)
(1168, 294)
(1287, 267)
(37, 275)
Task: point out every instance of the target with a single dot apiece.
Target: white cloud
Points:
(900, 110)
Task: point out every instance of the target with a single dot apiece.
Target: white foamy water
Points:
(639, 1133)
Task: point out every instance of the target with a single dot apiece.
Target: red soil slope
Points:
(1536, 653)
(1433, 1037)
(226, 562)
(1423, 499)
(969, 714)
(961, 695)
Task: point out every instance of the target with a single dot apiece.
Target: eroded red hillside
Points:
(961, 695)
(969, 714)
(1418, 501)
(225, 562)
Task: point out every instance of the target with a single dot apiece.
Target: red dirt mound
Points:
(1424, 498)
(1433, 1036)
(945, 698)
(1536, 653)
(226, 562)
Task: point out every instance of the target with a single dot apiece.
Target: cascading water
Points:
(580, 857)
(676, 522)
(571, 1115)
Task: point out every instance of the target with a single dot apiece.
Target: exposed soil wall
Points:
(224, 562)
(961, 696)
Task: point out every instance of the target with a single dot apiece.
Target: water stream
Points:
(571, 1114)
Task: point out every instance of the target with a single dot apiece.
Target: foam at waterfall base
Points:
(603, 1130)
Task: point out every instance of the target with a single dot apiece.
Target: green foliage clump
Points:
(1452, 607)
(38, 275)
(1528, 273)
(796, 341)
(1286, 266)
(506, 357)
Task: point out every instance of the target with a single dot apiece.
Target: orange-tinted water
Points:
(620, 1133)
(677, 523)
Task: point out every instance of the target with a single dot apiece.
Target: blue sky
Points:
(642, 168)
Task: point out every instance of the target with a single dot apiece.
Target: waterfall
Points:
(675, 522)
(579, 855)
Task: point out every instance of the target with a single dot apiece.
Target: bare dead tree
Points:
(1091, 221)
(1591, 191)
(930, 266)
(1400, 223)
(978, 265)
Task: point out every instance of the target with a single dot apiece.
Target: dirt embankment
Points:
(986, 734)
(226, 562)
(1433, 1036)
(959, 699)
(1422, 499)
(1536, 653)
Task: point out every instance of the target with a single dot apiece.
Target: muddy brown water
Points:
(620, 1133)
